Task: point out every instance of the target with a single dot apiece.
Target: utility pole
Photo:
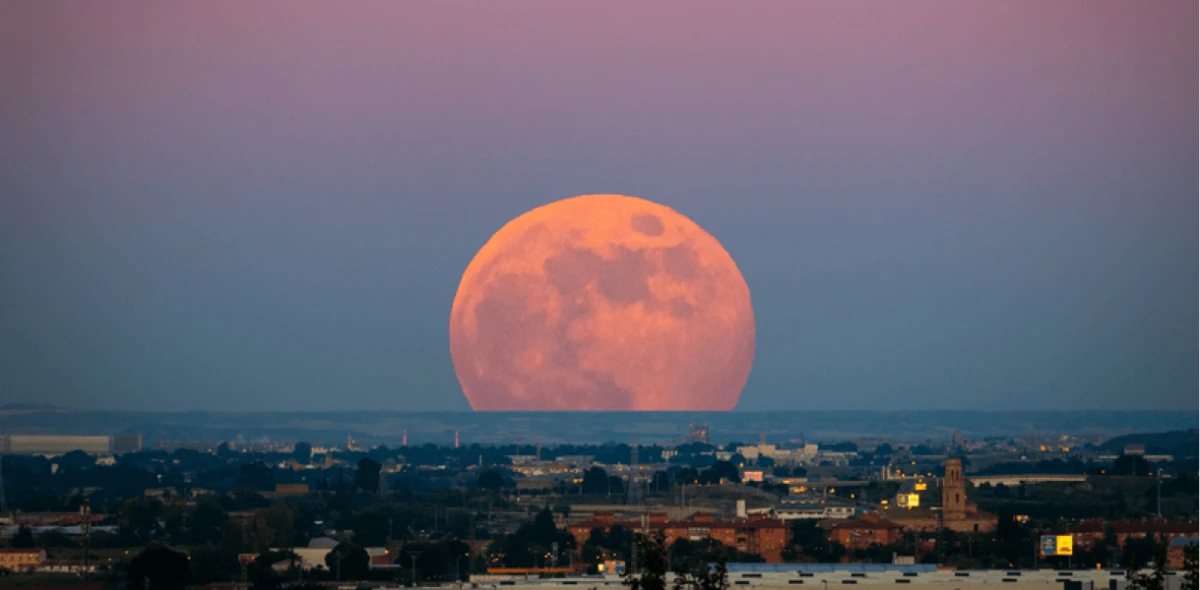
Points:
(937, 541)
(1158, 492)
(85, 511)
(413, 555)
(457, 573)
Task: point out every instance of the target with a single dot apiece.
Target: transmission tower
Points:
(636, 499)
(634, 489)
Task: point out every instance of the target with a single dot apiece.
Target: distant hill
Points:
(780, 427)
(1180, 443)
(27, 407)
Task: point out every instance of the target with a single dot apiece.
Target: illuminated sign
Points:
(752, 476)
(1057, 545)
(908, 500)
(921, 486)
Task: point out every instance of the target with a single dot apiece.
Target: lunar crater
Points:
(602, 302)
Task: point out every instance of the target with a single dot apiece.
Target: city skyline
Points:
(270, 206)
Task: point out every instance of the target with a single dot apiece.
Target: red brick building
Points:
(21, 560)
(957, 513)
(1175, 551)
(39, 519)
(1089, 532)
(866, 531)
(763, 536)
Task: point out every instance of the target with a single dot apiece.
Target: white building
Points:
(804, 454)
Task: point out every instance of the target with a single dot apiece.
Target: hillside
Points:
(1180, 443)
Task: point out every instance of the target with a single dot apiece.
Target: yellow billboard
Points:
(1057, 545)
(908, 500)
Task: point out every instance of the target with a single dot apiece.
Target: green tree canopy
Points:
(348, 561)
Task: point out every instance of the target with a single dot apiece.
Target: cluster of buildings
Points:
(1087, 533)
(55, 445)
(35, 560)
(313, 556)
(767, 537)
(803, 455)
(956, 513)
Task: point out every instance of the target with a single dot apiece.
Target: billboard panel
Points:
(1057, 545)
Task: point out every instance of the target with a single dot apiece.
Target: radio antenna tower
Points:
(634, 488)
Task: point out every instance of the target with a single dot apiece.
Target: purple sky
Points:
(268, 205)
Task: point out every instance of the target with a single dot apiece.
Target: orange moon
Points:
(602, 302)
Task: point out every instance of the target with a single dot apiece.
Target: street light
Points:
(85, 513)
(413, 555)
(457, 576)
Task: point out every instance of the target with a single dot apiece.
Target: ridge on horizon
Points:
(35, 407)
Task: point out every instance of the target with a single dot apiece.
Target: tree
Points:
(366, 476)
(257, 476)
(75, 461)
(1191, 567)
(660, 482)
(698, 554)
(139, 518)
(56, 539)
(273, 527)
(207, 521)
(530, 545)
(490, 480)
(302, 453)
(439, 561)
(595, 481)
(727, 471)
(212, 565)
(23, 539)
(348, 561)
(708, 477)
(616, 543)
(371, 528)
(1131, 465)
(616, 485)
(263, 570)
(234, 538)
(652, 557)
(1137, 552)
(704, 576)
(544, 531)
(1156, 579)
(809, 543)
(158, 568)
(884, 450)
(687, 476)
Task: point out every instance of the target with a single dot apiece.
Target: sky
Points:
(268, 206)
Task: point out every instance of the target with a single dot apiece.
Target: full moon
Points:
(602, 302)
